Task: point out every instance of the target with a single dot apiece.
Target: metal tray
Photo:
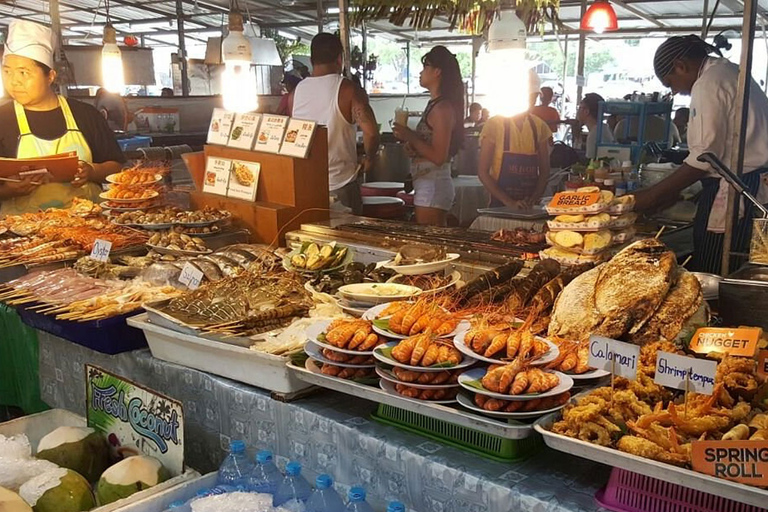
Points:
(506, 212)
(456, 414)
(659, 470)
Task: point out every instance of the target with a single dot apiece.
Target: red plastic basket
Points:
(632, 492)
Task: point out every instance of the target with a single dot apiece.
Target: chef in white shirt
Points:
(684, 64)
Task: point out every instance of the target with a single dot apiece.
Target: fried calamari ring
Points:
(595, 434)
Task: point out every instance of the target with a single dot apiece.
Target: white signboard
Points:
(681, 372)
(100, 251)
(190, 276)
(271, 133)
(216, 178)
(614, 356)
(221, 125)
(298, 138)
(244, 131)
(244, 180)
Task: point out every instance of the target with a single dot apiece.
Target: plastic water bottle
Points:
(293, 489)
(265, 476)
(177, 506)
(357, 501)
(236, 467)
(324, 498)
(395, 506)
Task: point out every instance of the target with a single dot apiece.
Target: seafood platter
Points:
(137, 186)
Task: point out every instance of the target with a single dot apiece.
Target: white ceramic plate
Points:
(380, 356)
(313, 350)
(390, 388)
(466, 402)
(390, 376)
(547, 358)
(422, 268)
(378, 293)
(148, 227)
(315, 367)
(111, 179)
(477, 374)
(105, 196)
(372, 314)
(316, 329)
(350, 309)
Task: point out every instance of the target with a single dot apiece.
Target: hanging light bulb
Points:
(112, 78)
(600, 17)
(503, 65)
(238, 80)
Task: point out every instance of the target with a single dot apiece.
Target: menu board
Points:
(244, 131)
(216, 179)
(298, 138)
(244, 180)
(221, 126)
(271, 133)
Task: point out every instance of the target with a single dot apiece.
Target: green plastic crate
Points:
(465, 438)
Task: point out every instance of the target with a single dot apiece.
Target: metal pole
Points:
(476, 41)
(182, 48)
(319, 16)
(58, 53)
(365, 56)
(739, 126)
(580, 65)
(408, 67)
(704, 19)
(344, 34)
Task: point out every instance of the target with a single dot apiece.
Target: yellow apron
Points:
(50, 195)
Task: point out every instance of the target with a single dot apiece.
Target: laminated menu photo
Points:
(298, 138)
(271, 133)
(244, 131)
(221, 126)
(243, 180)
(216, 179)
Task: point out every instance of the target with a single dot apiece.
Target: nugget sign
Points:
(741, 461)
(736, 342)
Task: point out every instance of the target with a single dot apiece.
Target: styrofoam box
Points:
(258, 369)
(37, 426)
(184, 492)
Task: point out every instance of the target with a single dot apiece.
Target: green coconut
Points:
(129, 476)
(80, 449)
(59, 490)
(12, 502)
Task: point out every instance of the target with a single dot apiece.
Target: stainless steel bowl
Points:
(710, 284)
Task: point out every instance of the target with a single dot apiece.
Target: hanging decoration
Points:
(131, 41)
(600, 17)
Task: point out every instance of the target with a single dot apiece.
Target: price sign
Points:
(191, 277)
(565, 200)
(686, 373)
(100, 251)
(762, 364)
(740, 461)
(614, 356)
(736, 342)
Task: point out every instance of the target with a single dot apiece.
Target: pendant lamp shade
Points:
(600, 17)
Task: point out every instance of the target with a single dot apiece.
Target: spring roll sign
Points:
(741, 461)
(135, 419)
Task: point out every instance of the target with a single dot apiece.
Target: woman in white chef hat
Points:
(39, 123)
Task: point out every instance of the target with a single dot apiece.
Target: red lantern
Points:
(131, 40)
(600, 17)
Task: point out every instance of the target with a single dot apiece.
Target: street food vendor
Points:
(40, 123)
(684, 64)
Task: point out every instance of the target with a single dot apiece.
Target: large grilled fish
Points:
(573, 315)
(632, 286)
(680, 304)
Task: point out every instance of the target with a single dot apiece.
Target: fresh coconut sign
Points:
(134, 419)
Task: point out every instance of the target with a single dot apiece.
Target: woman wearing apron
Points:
(437, 138)
(514, 160)
(683, 64)
(39, 123)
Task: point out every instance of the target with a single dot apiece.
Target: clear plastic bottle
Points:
(265, 477)
(395, 506)
(357, 501)
(324, 498)
(293, 488)
(177, 506)
(236, 468)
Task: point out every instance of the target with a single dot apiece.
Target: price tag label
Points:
(191, 277)
(574, 199)
(100, 251)
(762, 364)
(676, 371)
(614, 356)
(740, 461)
(736, 342)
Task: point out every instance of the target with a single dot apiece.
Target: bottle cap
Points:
(324, 482)
(357, 494)
(264, 456)
(608, 182)
(395, 506)
(237, 446)
(293, 469)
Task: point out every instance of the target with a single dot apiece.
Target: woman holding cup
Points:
(437, 137)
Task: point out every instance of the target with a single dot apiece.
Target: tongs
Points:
(734, 180)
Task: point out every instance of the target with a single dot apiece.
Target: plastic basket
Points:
(465, 438)
(631, 492)
(134, 143)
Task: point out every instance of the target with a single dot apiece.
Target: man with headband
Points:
(684, 64)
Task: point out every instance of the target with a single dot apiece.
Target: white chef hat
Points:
(31, 40)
